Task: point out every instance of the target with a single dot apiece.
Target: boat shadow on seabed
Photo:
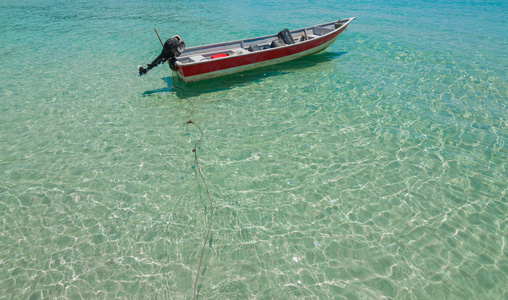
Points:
(230, 81)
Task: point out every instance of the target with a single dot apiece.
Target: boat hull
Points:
(234, 64)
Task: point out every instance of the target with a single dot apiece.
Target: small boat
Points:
(210, 61)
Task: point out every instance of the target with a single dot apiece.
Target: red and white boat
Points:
(210, 61)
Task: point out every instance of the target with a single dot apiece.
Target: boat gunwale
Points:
(179, 63)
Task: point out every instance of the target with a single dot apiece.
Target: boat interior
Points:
(240, 47)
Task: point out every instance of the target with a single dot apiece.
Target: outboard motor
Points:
(172, 48)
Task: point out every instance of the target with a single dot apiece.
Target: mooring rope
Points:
(194, 150)
(206, 188)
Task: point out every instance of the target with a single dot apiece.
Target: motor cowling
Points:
(174, 46)
(171, 49)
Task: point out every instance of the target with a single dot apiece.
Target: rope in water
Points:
(207, 192)
(194, 150)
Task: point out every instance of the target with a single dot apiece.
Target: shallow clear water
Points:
(377, 168)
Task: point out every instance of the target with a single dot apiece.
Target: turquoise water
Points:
(375, 169)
